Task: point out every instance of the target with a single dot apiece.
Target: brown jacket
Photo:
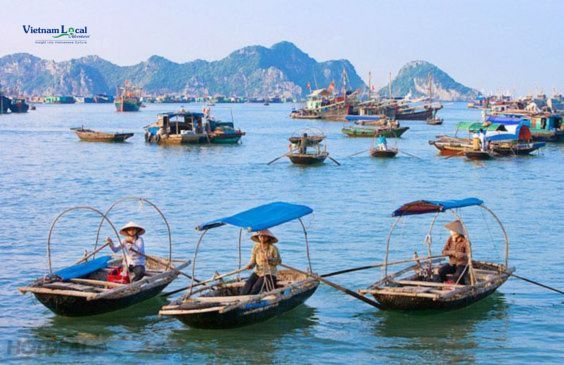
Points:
(264, 259)
(456, 248)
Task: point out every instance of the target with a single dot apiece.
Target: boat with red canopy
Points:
(417, 286)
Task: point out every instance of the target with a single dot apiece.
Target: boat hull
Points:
(127, 105)
(395, 302)
(250, 314)
(418, 115)
(19, 106)
(307, 159)
(519, 150)
(103, 137)
(226, 138)
(71, 306)
(5, 104)
(374, 132)
(390, 153)
(478, 155)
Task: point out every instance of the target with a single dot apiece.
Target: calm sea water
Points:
(44, 169)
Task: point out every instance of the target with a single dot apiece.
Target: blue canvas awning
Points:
(352, 118)
(504, 120)
(83, 269)
(433, 206)
(261, 217)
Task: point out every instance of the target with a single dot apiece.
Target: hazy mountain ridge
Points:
(253, 71)
(413, 80)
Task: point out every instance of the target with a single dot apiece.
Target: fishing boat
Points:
(307, 149)
(19, 105)
(219, 304)
(304, 114)
(185, 127)
(90, 135)
(223, 132)
(95, 285)
(388, 153)
(128, 98)
(416, 287)
(502, 139)
(544, 127)
(373, 126)
(325, 104)
(5, 102)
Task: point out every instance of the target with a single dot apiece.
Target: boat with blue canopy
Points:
(418, 286)
(95, 285)
(217, 304)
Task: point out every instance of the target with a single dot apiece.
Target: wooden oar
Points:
(410, 154)
(215, 278)
(335, 161)
(358, 153)
(336, 286)
(277, 158)
(379, 265)
(158, 261)
(92, 254)
(536, 283)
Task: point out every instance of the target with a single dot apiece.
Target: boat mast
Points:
(369, 85)
(390, 85)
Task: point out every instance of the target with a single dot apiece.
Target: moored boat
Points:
(417, 287)
(128, 98)
(220, 304)
(19, 105)
(90, 135)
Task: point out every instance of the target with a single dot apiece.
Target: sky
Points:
(492, 46)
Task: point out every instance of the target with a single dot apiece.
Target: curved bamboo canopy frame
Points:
(104, 218)
(143, 200)
(428, 239)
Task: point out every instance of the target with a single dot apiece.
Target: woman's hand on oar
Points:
(358, 153)
(337, 286)
(277, 158)
(335, 161)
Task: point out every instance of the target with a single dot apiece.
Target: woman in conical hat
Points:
(134, 245)
(456, 248)
(264, 259)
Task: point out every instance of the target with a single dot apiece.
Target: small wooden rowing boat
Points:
(94, 136)
(434, 121)
(389, 153)
(417, 287)
(220, 304)
(87, 287)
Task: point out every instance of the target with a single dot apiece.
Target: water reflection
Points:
(260, 343)
(94, 333)
(446, 336)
